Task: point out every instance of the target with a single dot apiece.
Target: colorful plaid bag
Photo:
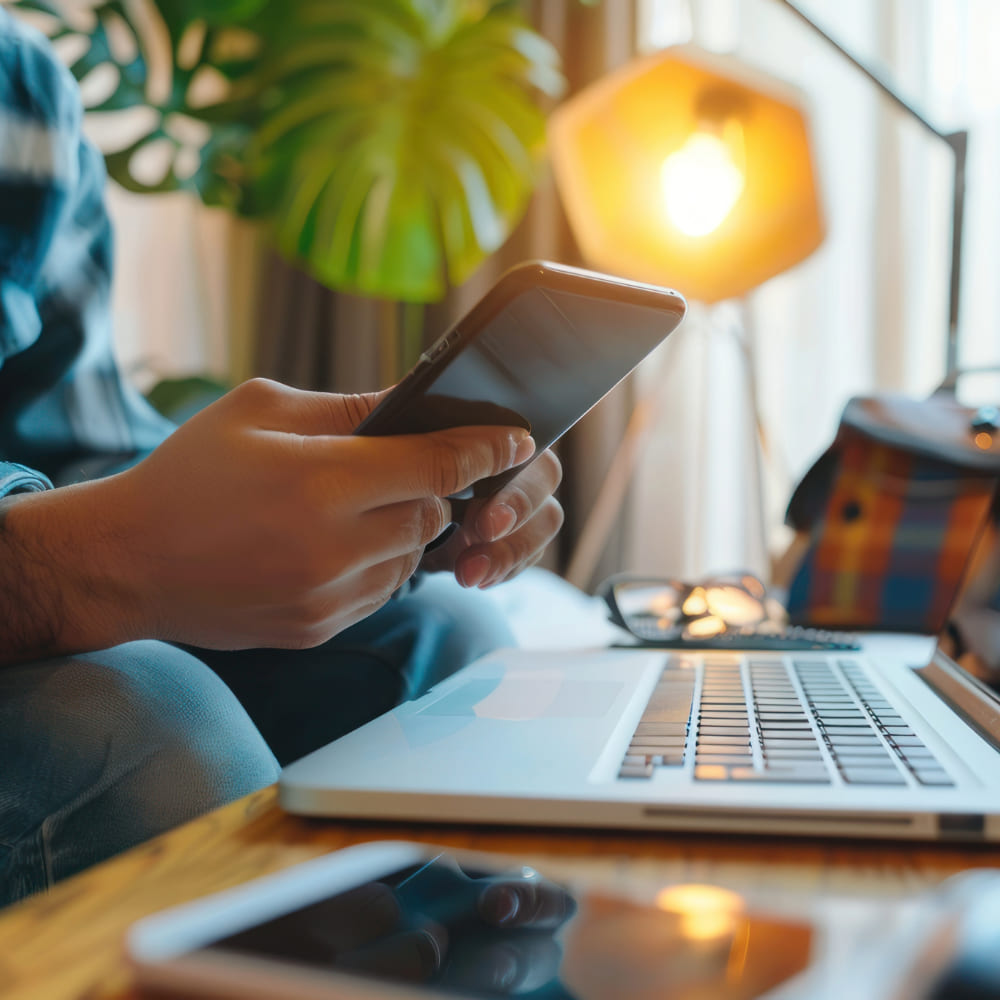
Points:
(890, 515)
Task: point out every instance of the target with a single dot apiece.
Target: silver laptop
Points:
(892, 740)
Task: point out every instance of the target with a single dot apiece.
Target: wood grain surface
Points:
(67, 943)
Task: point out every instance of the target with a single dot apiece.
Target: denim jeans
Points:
(100, 751)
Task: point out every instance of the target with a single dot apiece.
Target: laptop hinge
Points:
(975, 703)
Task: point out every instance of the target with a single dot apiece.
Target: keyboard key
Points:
(804, 775)
(711, 772)
(723, 730)
(659, 729)
(863, 740)
(865, 729)
(668, 760)
(789, 744)
(711, 757)
(645, 750)
(933, 776)
(803, 732)
(872, 776)
(881, 759)
(907, 741)
(803, 752)
(723, 741)
(635, 771)
(873, 750)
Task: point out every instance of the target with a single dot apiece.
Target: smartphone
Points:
(395, 919)
(539, 350)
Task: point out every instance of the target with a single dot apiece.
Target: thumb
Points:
(277, 407)
(436, 463)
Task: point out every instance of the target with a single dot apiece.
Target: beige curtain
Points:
(314, 338)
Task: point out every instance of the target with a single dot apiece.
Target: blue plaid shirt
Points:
(66, 412)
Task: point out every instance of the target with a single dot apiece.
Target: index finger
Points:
(438, 463)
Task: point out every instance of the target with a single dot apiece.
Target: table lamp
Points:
(687, 169)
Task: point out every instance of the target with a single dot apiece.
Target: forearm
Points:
(59, 592)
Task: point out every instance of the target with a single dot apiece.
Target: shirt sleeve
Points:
(66, 410)
(16, 478)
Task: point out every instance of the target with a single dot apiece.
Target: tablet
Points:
(400, 920)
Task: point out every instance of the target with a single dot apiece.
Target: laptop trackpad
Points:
(523, 696)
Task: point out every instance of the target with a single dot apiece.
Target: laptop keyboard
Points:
(807, 721)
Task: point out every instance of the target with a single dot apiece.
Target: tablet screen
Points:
(486, 935)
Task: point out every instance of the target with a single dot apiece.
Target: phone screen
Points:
(487, 934)
(537, 356)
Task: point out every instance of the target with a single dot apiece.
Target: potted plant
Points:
(386, 146)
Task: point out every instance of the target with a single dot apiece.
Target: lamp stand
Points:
(645, 415)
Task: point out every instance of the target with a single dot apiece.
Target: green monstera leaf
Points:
(391, 145)
(403, 140)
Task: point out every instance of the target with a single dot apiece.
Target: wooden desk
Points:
(67, 943)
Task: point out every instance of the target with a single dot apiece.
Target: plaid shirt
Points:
(66, 412)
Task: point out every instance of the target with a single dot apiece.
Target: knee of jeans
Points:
(105, 750)
(171, 709)
(143, 735)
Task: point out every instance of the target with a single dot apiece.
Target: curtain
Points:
(866, 313)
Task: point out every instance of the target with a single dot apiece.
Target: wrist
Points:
(67, 581)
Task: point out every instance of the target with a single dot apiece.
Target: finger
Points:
(508, 965)
(529, 902)
(485, 565)
(401, 528)
(343, 602)
(383, 470)
(517, 502)
(277, 407)
(410, 956)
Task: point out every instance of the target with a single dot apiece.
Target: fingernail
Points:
(474, 570)
(498, 521)
(498, 904)
(525, 449)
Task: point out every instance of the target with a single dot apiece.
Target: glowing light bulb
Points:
(701, 183)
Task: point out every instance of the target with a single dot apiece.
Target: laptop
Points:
(889, 740)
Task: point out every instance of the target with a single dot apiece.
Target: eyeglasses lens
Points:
(660, 601)
(734, 605)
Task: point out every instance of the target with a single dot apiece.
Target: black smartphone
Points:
(544, 345)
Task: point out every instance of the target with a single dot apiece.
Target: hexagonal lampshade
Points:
(690, 170)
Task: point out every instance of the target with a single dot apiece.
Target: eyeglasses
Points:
(666, 610)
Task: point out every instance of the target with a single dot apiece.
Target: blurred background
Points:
(257, 264)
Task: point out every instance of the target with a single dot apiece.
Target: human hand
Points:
(440, 925)
(263, 522)
(504, 534)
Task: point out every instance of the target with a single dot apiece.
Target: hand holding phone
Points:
(538, 351)
(541, 348)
